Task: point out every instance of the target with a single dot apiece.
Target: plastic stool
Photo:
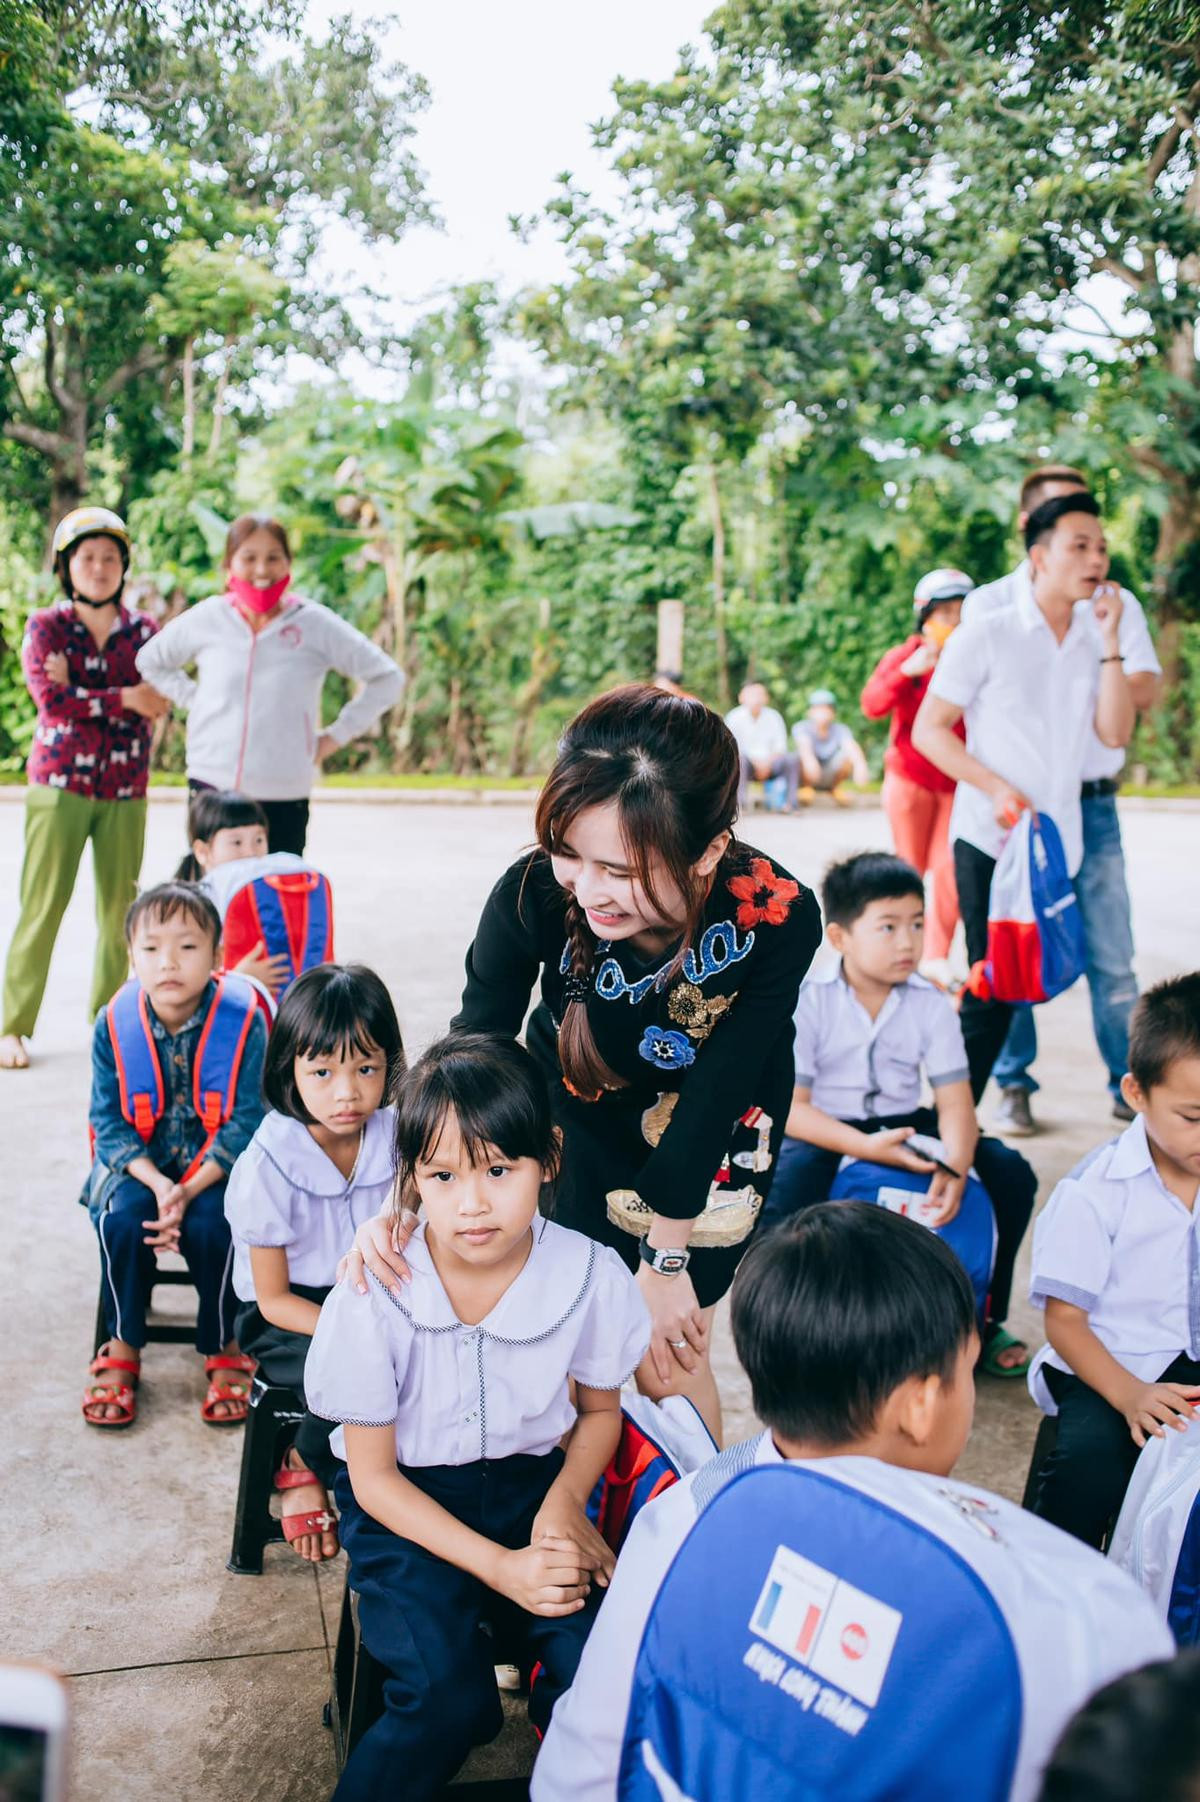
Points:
(160, 1332)
(275, 1413)
(1043, 1445)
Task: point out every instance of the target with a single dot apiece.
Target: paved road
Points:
(191, 1683)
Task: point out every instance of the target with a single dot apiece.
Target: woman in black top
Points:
(670, 958)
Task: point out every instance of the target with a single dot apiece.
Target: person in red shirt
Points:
(917, 796)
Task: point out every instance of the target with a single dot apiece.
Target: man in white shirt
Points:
(1101, 887)
(1031, 681)
(762, 743)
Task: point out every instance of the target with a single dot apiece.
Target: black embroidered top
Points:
(700, 1048)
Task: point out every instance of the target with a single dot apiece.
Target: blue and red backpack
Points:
(290, 912)
(1035, 944)
(660, 1442)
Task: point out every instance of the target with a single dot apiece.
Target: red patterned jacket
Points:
(85, 740)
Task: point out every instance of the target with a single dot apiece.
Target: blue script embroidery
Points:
(666, 1049)
(721, 946)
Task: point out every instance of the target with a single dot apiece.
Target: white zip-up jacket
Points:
(254, 704)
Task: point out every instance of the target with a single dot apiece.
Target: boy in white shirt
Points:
(865, 1032)
(856, 1328)
(1116, 1265)
(1034, 682)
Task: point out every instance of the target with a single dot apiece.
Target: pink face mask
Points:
(257, 600)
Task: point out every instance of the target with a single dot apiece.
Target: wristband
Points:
(1117, 658)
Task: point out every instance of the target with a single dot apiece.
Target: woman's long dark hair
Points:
(671, 765)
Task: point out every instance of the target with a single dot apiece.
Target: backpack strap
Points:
(139, 1073)
(219, 1059)
(295, 917)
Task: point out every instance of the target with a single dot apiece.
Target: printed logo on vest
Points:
(819, 1620)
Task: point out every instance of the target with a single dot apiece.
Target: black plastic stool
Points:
(274, 1415)
(158, 1332)
(1043, 1445)
(356, 1703)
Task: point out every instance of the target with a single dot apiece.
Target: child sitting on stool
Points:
(1114, 1266)
(318, 1166)
(864, 1032)
(158, 1180)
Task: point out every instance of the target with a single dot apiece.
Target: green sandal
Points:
(999, 1340)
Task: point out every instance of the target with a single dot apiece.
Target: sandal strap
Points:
(100, 1396)
(103, 1362)
(287, 1478)
(319, 1520)
(246, 1365)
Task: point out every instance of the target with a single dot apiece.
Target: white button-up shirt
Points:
(459, 1393)
(284, 1191)
(1029, 704)
(761, 739)
(858, 1068)
(1133, 633)
(1114, 1241)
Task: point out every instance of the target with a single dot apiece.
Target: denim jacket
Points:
(180, 1134)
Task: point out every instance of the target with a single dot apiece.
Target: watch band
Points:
(668, 1261)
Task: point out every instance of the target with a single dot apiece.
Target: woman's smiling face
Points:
(592, 862)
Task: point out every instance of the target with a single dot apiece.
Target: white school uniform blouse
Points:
(1133, 635)
(284, 1191)
(1115, 1242)
(1029, 705)
(458, 1393)
(859, 1068)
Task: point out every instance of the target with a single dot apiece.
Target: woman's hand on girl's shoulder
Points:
(379, 1247)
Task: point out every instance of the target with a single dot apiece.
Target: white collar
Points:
(545, 1292)
(291, 1148)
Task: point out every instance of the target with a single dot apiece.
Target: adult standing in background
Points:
(829, 753)
(88, 767)
(762, 741)
(917, 796)
(1100, 886)
(261, 656)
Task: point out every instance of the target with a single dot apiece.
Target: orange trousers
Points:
(920, 823)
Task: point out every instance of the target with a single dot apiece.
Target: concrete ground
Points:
(188, 1682)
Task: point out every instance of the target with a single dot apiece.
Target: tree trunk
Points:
(189, 397)
(718, 587)
(669, 654)
(214, 438)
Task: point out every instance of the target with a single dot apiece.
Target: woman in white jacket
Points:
(261, 656)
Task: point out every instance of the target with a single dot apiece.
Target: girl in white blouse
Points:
(454, 1397)
(318, 1166)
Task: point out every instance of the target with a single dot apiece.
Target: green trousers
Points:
(58, 824)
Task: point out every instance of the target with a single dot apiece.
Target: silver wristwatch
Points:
(667, 1262)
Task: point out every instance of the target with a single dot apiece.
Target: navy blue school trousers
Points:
(127, 1264)
(427, 1624)
(805, 1172)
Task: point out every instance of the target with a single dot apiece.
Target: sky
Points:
(514, 89)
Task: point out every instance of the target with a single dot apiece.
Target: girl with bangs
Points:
(669, 959)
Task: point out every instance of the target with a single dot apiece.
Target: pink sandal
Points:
(119, 1395)
(233, 1391)
(317, 1520)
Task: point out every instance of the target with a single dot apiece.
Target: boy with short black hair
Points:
(166, 1136)
(865, 1032)
(1114, 1261)
(856, 1328)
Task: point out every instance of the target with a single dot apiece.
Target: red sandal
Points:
(118, 1395)
(233, 1390)
(317, 1520)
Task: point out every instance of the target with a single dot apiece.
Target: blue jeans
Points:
(1108, 937)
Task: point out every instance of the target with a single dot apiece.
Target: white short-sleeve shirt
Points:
(758, 739)
(459, 1393)
(858, 1068)
(284, 1191)
(1029, 705)
(1114, 1241)
(1137, 650)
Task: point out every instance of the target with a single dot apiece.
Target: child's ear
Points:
(200, 853)
(837, 936)
(919, 1406)
(1133, 1093)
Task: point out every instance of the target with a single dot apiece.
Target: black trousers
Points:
(1082, 1482)
(805, 1172)
(281, 1356)
(287, 821)
(984, 1023)
(424, 1621)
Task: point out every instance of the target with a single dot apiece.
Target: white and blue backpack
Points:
(971, 1235)
(1157, 1535)
(843, 1629)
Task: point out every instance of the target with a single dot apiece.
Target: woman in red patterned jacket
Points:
(88, 766)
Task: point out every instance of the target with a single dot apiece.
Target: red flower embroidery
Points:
(765, 898)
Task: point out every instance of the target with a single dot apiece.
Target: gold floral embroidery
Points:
(697, 1013)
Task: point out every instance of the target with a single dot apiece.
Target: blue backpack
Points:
(877, 1664)
(971, 1235)
(1035, 946)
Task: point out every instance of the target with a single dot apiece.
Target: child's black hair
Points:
(1165, 1026)
(213, 810)
(832, 1312)
(327, 1011)
(170, 900)
(495, 1091)
(851, 886)
(1043, 519)
(1138, 1737)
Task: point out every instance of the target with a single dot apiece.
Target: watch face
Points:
(670, 1263)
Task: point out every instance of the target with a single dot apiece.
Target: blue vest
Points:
(971, 1235)
(810, 1642)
